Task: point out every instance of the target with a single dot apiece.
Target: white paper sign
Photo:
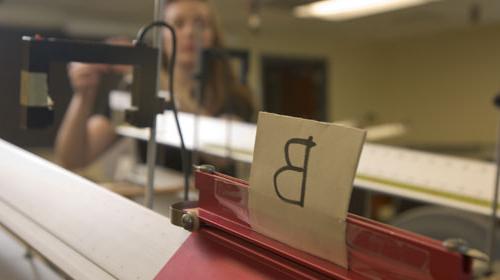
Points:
(301, 183)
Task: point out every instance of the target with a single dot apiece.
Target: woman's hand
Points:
(85, 78)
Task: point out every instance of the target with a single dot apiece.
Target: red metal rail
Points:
(225, 246)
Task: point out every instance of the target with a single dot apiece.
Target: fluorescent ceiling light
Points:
(348, 9)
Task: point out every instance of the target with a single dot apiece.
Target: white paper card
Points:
(301, 183)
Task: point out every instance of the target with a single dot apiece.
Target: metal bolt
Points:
(459, 245)
(187, 221)
(456, 245)
(205, 168)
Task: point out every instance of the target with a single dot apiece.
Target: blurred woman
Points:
(86, 133)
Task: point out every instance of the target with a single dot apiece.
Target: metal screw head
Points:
(187, 221)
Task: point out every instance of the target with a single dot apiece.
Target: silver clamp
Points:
(205, 168)
(184, 214)
(459, 245)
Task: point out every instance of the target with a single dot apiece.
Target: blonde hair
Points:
(222, 90)
(214, 20)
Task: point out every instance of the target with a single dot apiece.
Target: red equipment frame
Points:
(226, 247)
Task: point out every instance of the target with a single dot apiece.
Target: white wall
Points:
(440, 84)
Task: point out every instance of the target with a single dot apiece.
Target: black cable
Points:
(139, 41)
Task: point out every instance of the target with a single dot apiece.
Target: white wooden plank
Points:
(58, 253)
(15, 265)
(123, 238)
(445, 180)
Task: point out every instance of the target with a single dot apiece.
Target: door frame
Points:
(321, 62)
